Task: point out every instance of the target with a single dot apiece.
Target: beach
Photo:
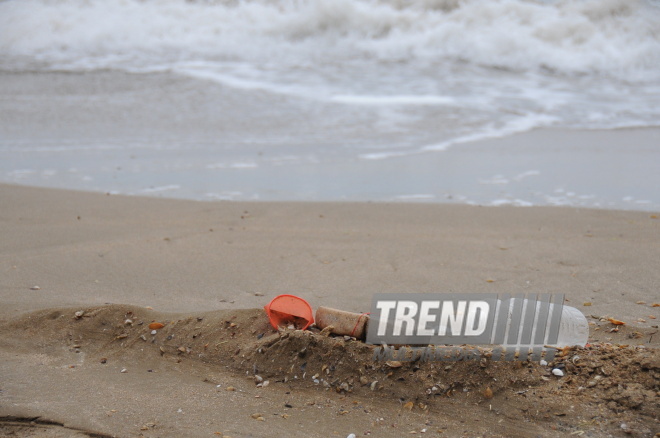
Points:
(147, 259)
(167, 168)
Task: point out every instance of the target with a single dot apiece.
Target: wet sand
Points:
(169, 136)
(113, 256)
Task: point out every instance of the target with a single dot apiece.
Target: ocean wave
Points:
(619, 38)
(437, 73)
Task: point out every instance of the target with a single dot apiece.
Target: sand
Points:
(200, 267)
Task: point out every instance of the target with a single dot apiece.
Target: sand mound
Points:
(605, 385)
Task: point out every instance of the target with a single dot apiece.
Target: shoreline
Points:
(207, 269)
(171, 136)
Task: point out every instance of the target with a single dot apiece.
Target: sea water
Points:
(333, 99)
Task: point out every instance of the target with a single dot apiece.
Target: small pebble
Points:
(123, 370)
(35, 288)
(557, 372)
(543, 362)
(352, 435)
(128, 322)
(79, 314)
(153, 332)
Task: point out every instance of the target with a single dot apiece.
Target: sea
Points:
(485, 102)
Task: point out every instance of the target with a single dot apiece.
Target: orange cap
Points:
(289, 309)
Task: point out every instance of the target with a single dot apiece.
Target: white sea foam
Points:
(504, 66)
(415, 197)
(166, 188)
(326, 81)
(526, 174)
(612, 37)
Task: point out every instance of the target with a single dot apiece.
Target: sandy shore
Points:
(185, 259)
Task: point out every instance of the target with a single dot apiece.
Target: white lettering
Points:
(425, 318)
(483, 308)
(451, 318)
(385, 309)
(405, 312)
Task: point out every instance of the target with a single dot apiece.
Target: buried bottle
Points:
(519, 325)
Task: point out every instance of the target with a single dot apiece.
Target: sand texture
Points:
(83, 275)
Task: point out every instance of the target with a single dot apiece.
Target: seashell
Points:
(156, 325)
(393, 364)
(557, 372)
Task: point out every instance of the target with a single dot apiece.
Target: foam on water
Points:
(369, 79)
(501, 63)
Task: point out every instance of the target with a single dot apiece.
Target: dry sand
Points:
(206, 269)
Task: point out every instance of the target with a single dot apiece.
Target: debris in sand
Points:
(557, 372)
(230, 388)
(79, 314)
(408, 406)
(123, 370)
(488, 393)
(148, 426)
(258, 417)
(327, 331)
(35, 288)
(156, 325)
(616, 321)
